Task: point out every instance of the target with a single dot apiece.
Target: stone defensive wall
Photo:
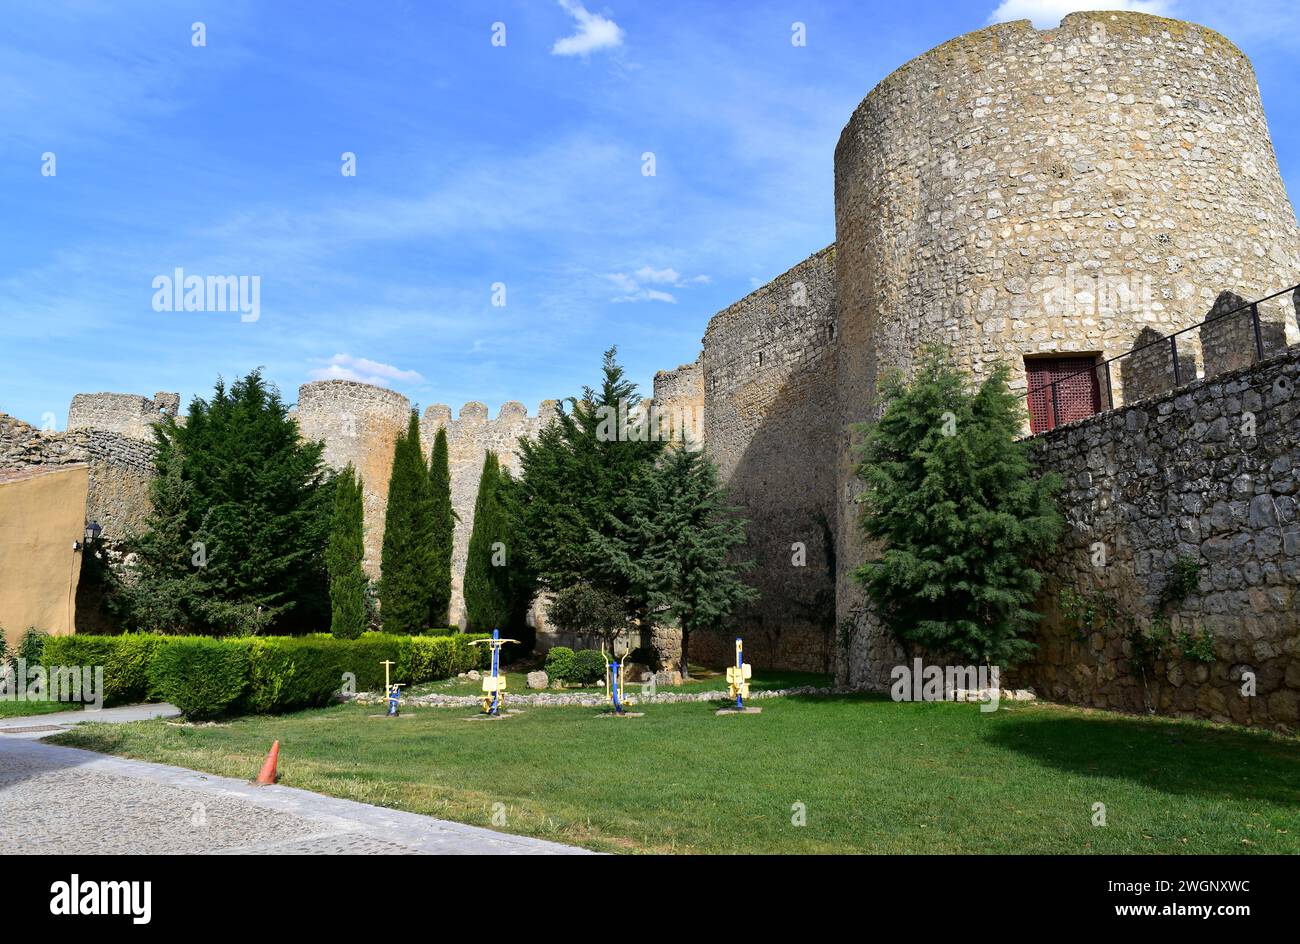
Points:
(360, 423)
(1205, 474)
(125, 413)
(469, 438)
(1201, 477)
(768, 369)
(121, 467)
(1017, 192)
(678, 403)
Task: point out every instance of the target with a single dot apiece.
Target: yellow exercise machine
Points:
(738, 677)
(494, 684)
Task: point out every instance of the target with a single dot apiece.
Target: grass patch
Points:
(874, 776)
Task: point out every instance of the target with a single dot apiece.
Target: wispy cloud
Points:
(595, 32)
(637, 286)
(364, 370)
(1047, 14)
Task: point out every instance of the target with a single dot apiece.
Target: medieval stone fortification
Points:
(1012, 194)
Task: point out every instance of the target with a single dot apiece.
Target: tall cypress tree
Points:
(408, 557)
(487, 567)
(577, 476)
(673, 546)
(444, 527)
(343, 557)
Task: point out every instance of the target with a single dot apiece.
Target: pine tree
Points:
(344, 555)
(407, 567)
(444, 529)
(673, 546)
(163, 592)
(239, 522)
(951, 494)
(487, 564)
(577, 476)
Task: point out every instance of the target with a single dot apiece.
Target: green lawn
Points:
(12, 709)
(874, 776)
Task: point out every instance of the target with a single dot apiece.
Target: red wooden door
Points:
(1078, 395)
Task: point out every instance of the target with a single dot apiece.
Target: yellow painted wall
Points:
(41, 516)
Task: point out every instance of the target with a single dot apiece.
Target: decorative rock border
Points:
(595, 700)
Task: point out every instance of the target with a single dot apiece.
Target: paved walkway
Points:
(38, 726)
(63, 800)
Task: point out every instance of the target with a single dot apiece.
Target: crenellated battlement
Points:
(126, 413)
(359, 424)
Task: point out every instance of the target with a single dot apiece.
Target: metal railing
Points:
(1172, 341)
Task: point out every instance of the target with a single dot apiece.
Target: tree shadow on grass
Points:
(1173, 757)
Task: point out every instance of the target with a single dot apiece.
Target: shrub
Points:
(200, 675)
(559, 663)
(204, 676)
(32, 646)
(588, 667)
(125, 660)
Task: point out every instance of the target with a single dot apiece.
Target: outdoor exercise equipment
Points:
(494, 684)
(614, 675)
(738, 677)
(392, 689)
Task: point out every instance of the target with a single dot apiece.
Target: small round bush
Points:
(559, 664)
(588, 667)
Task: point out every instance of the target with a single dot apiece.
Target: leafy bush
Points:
(200, 675)
(32, 646)
(584, 667)
(125, 660)
(1198, 647)
(588, 666)
(204, 676)
(559, 663)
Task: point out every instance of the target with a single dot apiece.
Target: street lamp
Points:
(92, 532)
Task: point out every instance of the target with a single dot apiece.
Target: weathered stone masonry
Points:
(1017, 192)
(768, 368)
(1210, 472)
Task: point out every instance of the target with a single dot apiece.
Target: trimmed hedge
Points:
(200, 675)
(125, 660)
(204, 676)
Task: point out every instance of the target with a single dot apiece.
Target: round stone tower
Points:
(359, 424)
(1017, 193)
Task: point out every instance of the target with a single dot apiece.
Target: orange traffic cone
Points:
(268, 774)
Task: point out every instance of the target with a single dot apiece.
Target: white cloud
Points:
(635, 286)
(364, 370)
(657, 276)
(594, 32)
(1047, 14)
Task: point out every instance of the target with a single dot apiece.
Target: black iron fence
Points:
(1104, 366)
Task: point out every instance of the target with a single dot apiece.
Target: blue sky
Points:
(476, 164)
